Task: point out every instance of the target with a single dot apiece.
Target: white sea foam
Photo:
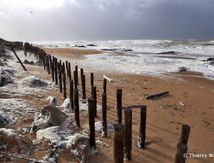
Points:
(144, 59)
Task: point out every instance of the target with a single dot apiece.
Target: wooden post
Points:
(82, 82)
(104, 109)
(81, 72)
(181, 150)
(18, 59)
(56, 71)
(185, 134)
(71, 94)
(128, 133)
(64, 81)
(83, 87)
(52, 68)
(43, 59)
(118, 146)
(104, 85)
(119, 105)
(48, 64)
(92, 81)
(69, 66)
(182, 144)
(60, 76)
(67, 69)
(77, 79)
(94, 94)
(141, 140)
(76, 107)
(91, 122)
(104, 114)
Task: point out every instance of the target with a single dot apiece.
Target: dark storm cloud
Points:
(111, 19)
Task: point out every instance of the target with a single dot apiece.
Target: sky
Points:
(64, 20)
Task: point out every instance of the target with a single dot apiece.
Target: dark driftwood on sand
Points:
(158, 95)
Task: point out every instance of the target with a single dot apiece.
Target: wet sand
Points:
(71, 52)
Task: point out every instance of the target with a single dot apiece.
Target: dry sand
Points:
(190, 102)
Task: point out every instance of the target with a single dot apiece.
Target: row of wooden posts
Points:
(122, 138)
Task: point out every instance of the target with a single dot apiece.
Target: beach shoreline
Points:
(190, 101)
(189, 93)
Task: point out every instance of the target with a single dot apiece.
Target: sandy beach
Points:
(190, 101)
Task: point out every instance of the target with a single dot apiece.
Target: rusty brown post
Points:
(94, 94)
(181, 150)
(185, 134)
(182, 144)
(104, 85)
(91, 122)
(118, 146)
(92, 81)
(141, 140)
(52, 68)
(77, 78)
(128, 133)
(69, 71)
(43, 59)
(104, 109)
(83, 83)
(81, 72)
(71, 94)
(60, 76)
(76, 107)
(83, 87)
(104, 114)
(119, 105)
(64, 81)
(47, 64)
(56, 71)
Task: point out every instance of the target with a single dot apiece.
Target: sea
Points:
(148, 57)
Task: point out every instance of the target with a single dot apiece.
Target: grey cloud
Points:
(113, 19)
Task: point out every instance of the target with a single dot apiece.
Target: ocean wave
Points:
(149, 56)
